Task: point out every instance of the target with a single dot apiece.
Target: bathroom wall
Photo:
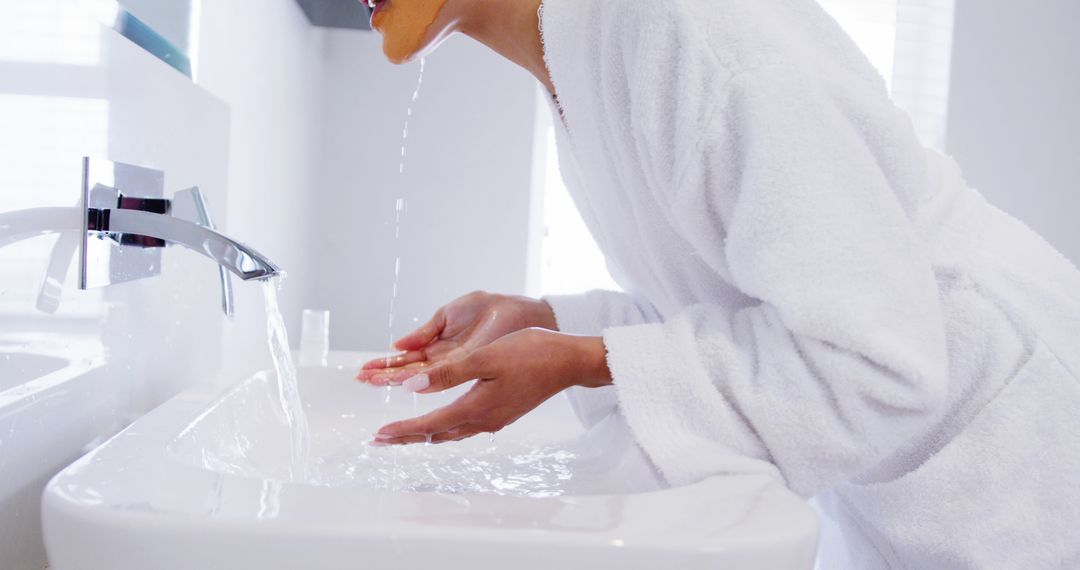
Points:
(71, 87)
(314, 171)
(465, 189)
(269, 71)
(1014, 117)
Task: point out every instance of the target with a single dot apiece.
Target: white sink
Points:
(197, 485)
(33, 362)
(17, 368)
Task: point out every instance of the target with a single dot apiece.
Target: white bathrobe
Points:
(809, 292)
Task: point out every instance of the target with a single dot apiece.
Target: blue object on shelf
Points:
(145, 37)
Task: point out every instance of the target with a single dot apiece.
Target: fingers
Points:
(444, 371)
(406, 440)
(424, 335)
(454, 434)
(457, 434)
(395, 361)
(391, 376)
(417, 429)
(445, 376)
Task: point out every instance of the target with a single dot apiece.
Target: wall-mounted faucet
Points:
(125, 223)
(116, 210)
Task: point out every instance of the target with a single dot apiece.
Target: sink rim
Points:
(98, 499)
(78, 355)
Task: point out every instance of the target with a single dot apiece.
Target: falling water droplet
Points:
(400, 207)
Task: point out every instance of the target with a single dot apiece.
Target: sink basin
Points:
(17, 368)
(32, 363)
(198, 484)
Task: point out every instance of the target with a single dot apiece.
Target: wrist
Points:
(592, 362)
(538, 313)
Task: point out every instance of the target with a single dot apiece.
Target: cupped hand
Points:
(514, 374)
(457, 329)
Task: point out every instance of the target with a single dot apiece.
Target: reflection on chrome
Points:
(109, 222)
(126, 220)
(244, 262)
(123, 203)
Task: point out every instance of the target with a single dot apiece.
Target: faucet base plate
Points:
(107, 185)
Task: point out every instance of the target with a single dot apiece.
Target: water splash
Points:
(288, 391)
(520, 469)
(235, 437)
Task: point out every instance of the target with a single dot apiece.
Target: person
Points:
(809, 292)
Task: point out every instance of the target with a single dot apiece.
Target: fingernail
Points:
(417, 383)
(379, 443)
(383, 436)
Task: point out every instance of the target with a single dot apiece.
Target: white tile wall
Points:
(80, 88)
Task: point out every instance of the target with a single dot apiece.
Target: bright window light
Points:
(923, 65)
(571, 262)
(910, 44)
(50, 31)
(872, 24)
(42, 140)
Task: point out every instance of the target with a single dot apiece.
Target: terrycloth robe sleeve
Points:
(843, 359)
(589, 314)
(592, 312)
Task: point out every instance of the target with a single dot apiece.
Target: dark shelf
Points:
(336, 13)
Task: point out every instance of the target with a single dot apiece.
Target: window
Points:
(910, 43)
(45, 128)
(570, 260)
(923, 65)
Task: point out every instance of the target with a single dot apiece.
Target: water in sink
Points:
(544, 454)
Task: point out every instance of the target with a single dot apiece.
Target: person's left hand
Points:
(514, 374)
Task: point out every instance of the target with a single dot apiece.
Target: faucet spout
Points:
(241, 260)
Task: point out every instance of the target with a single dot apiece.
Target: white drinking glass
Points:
(314, 338)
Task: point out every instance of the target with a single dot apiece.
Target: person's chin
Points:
(400, 58)
(424, 48)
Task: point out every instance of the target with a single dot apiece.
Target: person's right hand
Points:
(457, 329)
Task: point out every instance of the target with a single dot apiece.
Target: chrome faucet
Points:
(125, 222)
(153, 223)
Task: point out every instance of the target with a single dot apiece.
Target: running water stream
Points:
(400, 209)
(288, 391)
